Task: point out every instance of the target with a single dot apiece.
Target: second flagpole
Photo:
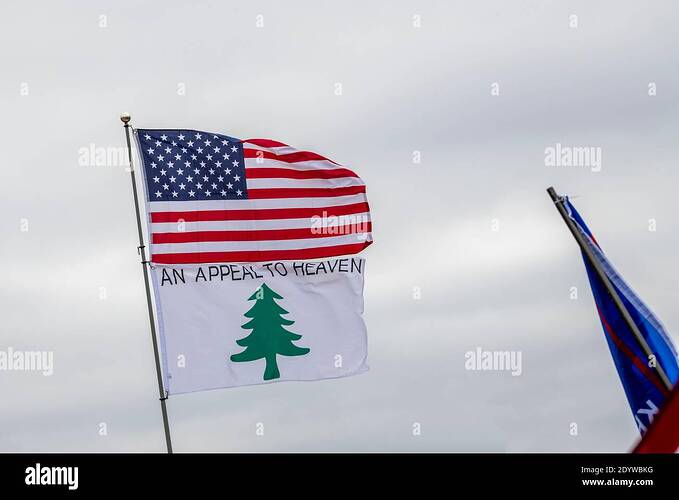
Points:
(558, 202)
(125, 118)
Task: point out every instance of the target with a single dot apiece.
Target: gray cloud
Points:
(404, 89)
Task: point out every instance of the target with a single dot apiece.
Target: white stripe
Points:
(277, 182)
(230, 246)
(278, 150)
(244, 225)
(299, 165)
(189, 206)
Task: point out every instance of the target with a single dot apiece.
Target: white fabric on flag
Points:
(307, 321)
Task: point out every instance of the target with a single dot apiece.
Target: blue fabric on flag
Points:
(644, 389)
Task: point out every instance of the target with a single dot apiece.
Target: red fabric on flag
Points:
(215, 198)
(663, 434)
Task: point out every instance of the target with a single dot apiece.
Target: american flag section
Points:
(215, 198)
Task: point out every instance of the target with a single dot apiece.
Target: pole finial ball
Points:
(125, 117)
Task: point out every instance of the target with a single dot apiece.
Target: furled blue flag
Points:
(645, 390)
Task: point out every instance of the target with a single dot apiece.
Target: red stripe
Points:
(641, 366)
(261, 235)
(258, 214)
(266, 143)
(259, 256)
(287, 157)
(594, 240)
(269, 193)
(288, 173)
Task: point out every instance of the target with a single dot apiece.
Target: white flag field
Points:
(226, 325)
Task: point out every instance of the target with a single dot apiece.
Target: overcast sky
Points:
(415, 76)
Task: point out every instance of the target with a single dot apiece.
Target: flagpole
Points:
(558, 201)
(125, 118)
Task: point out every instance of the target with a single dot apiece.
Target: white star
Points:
(189, 179)
(158, 194)
(173, 179)
(184, 150)
(166, 187)
(223, 193)
(158, 143)
(174, 194)
(239, 192)
(235, 163)
(168, 150)
(205, 178)
(180, 171)
(234, 149)
(214, 186)
(181, 137)
(216, 149)
(202, 163)
(187, 163)
(219, 164)
(199, 185)
(194, 157)
(228, 171)
(207, 193)
(207, 143)
(174, 144)
(191, 193)
(182, 186)
(225, 142)
(150, 150)
(200, 150)
(220, 178)
(163, 172)
(154, 164)
(196, 171)
(156, 179)
(189, 144)
(209, 157)
(198, 136)
(236, 178)
(161, 157)
(170, 164)
(226, 156)
(163, 137)
(229, 185)
(178, 157)
(212, 171)
(147, 137)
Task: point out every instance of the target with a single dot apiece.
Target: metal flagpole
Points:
(125, 118)
(558, 201)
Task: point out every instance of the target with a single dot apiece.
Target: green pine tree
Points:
(268, 337)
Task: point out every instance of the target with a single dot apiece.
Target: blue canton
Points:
(186, 165)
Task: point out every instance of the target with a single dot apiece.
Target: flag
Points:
(214, 198)
(226, 325)
(663, 434)
(245, 244)
(645, 391)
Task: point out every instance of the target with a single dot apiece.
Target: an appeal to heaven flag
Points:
(214, 198)
(225, 325)
(645, 390)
